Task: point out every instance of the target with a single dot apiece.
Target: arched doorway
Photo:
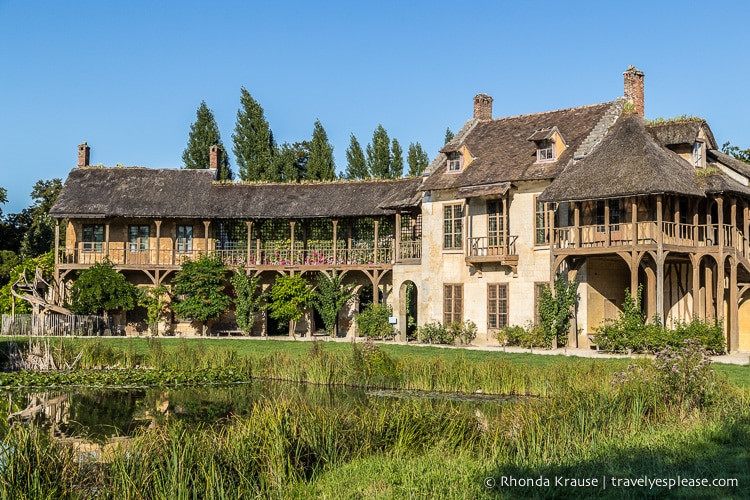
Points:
(407, 311)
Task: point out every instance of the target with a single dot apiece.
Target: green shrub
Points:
(529, 335)
(374, 322)
(436, 333)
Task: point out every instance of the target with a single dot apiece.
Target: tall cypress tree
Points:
(320, 165)
(449, 135)
(379, 154)
(204, 133)
(417, 159)
(396, 169)
(356, 165)
(253, 140)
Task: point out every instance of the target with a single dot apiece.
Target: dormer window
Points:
(698, 154)
(454, 161)
(549, 144)
(545, 150)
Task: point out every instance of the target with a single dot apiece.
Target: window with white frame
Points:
(138, 238)
(453, 223)
(455, 162)
(698, 154)
(545, 150)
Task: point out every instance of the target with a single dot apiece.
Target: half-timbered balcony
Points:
(484, 250)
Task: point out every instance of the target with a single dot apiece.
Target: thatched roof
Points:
(501, 150)
(681, 131)
(628, 162)
(716, 182)
(96, 192)
(715, 156)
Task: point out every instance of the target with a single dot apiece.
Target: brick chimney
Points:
(214, 159)
(634, 88)
(482, 107)
(84, 153)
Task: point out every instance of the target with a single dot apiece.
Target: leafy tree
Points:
(290, 295)
(13, 230)
(735, 151)
(289, 163)
(320, 165)
(100, 289)
(396, 169)
(199, 289)
(40, 235)
(204, 133)
(329, 297)
(45, 262)
(557, 310)
(379, 154)
(155, 302)
(356, 165)
(248, 303)
(253, 140)
(449, 135)
(417, 159)
(3, 196)
(8, 261)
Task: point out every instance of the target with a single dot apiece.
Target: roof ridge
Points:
(555, 110)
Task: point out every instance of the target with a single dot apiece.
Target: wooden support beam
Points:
(158, 241)
(335, 240)
(249, 225)
(397, 237)
(206, 225)
(376, 241)
(734, 327)
(660, 258)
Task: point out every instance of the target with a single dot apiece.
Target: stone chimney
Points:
(214, 159)
(482, 107)
(84, 153)
(634, 88)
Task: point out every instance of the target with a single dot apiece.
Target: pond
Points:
(100, 416)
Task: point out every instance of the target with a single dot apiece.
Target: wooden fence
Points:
(54, 324)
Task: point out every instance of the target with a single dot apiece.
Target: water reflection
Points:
(95, 419)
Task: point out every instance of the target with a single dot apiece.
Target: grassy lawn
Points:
(582, 426)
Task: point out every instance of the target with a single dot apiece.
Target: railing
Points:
(268, 254)
(58, 325)
(646, 233)
(484, 246)
(410, 250)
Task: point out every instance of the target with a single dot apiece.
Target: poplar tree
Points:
(396, 169)
(417, 159)
(379, 154)
(204, 133)
(449, 135)
(356, 165)
(253, 140)
(320, 165)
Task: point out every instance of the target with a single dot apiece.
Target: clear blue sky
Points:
(128, 76)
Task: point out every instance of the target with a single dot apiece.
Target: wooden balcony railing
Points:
(647, 233)
(320, 254)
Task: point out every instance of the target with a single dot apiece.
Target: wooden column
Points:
(577, 223)
(335, 240)
(249, 225)
(258, 255)
(397, 237)
(607, 235)
(158, 240)
(660, 259)
(634, 220)
(349, 241)
(106, 242)
(57, 257)
(375, 242)
(745, 229)
(733, 217)
(551, 224)
(734, 327)
(291, 252)
(505, 223)
(695, 224)
(206, 225)
(720, 267)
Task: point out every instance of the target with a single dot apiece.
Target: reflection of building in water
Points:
(74, 419)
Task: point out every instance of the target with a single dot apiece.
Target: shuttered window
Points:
(453, 303)
(497, 305)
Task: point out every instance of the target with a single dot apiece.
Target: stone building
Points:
(595, 192)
